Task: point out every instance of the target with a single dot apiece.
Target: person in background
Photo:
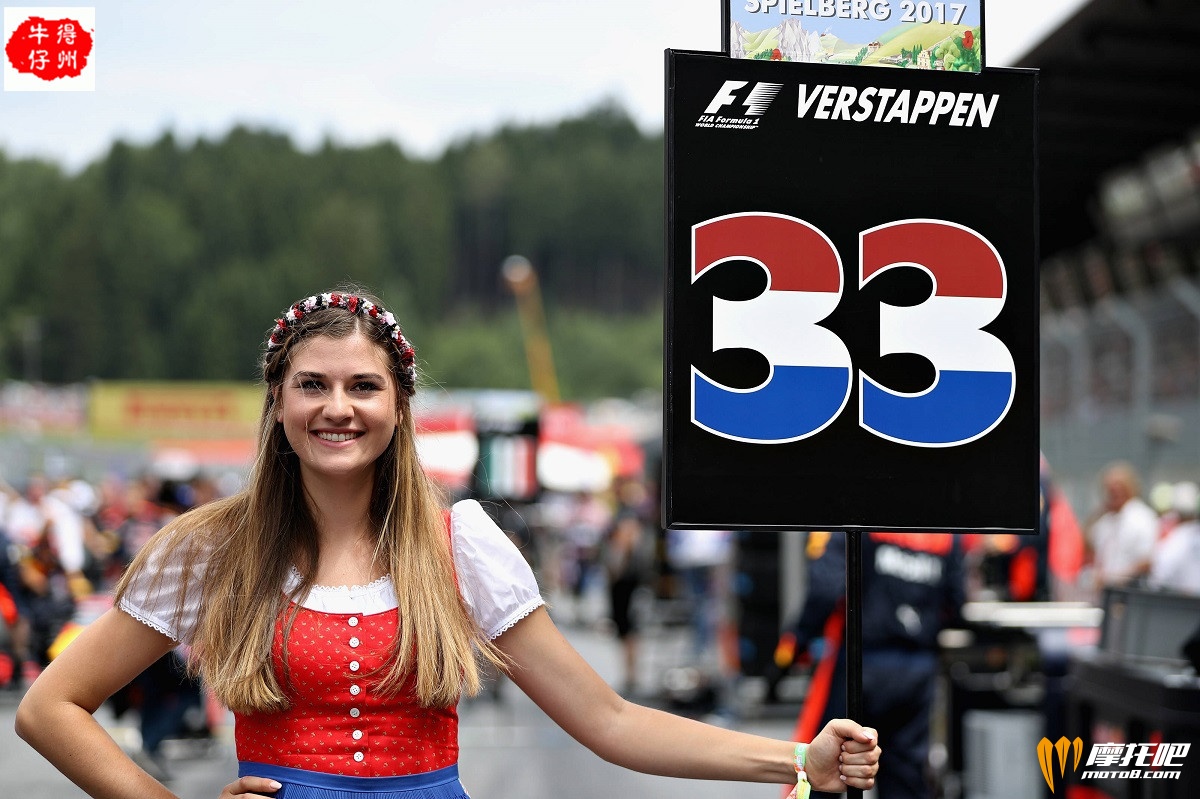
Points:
(1122, 538)
(1162, 501)
(913, 587)
(627, 557)
(141, 516)
(697, 556)
(48, 536)
(586, 522)
(165, 694)
(83, 500)
(1030, 568)
(340, 610)
(12, 616)
(1064, 536)
(1175, 563)
(112, 511)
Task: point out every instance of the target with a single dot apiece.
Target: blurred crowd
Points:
(1130, 538)
(1153, 542)
(606, 563)
(64, 544)
(65, 540)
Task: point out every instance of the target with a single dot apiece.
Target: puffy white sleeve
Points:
(152, 596)
(493, 576)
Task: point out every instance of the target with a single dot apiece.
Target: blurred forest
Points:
(171, 260)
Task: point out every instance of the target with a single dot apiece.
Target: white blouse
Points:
(493, 577)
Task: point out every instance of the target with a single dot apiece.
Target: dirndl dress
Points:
(340, 738)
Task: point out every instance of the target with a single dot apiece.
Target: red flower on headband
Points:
(354, 305)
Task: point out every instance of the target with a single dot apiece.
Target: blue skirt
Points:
(302, 784)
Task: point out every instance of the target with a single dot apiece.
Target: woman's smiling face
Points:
(338, 405)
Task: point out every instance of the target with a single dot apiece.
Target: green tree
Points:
(33, 196)
(169, 259)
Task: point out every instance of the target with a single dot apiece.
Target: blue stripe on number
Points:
(962, 406)
(796, 402)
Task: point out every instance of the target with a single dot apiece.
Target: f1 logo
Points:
(756, 102)
(1047, 750)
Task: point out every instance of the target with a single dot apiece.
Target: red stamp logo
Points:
(49, 48)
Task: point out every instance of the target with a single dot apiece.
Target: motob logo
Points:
(1046, 757)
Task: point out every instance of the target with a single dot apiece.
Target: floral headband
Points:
(355, 305)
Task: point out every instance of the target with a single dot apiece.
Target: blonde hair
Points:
(242, 548)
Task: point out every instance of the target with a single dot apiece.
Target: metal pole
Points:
(726, 22)
(854, 576)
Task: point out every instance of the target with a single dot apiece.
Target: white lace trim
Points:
(374, 585)
(377, 596)
(512, 620)
(151, 623)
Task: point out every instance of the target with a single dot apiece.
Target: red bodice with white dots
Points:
(338, 723)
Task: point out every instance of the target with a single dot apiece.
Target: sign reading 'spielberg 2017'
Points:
(851, 297)
(909, 34)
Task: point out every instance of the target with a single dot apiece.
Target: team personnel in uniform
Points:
(913, 586)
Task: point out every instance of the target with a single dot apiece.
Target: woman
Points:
(340, 612)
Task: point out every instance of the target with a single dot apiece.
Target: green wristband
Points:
(802, 786)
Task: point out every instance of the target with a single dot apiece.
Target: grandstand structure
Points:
(1119, 141)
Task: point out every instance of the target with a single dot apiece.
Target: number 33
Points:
(811, 368)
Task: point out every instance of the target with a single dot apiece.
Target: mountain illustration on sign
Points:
(935, 46)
